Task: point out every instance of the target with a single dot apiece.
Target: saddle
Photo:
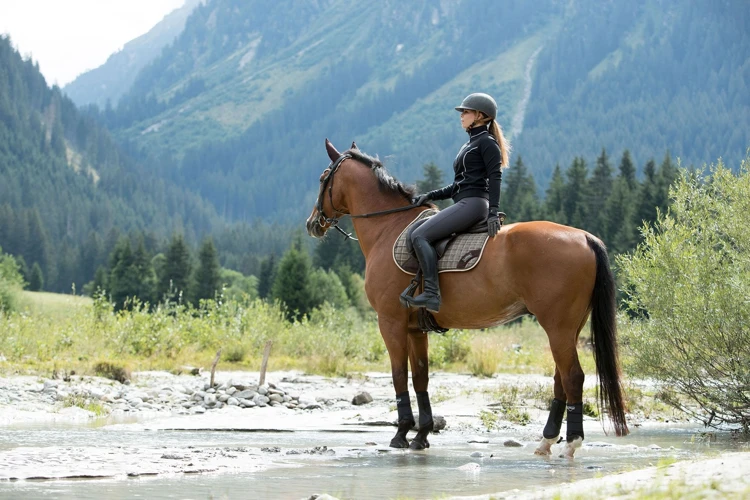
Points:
(457, 252)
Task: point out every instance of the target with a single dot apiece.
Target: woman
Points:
(475, 191)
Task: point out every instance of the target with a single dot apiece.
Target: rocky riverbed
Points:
(163, 426)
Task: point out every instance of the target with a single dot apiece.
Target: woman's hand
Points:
(421, 199)
(493, 223)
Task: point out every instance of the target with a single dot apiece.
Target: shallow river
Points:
(133, 461)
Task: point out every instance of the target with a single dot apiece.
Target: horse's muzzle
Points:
(314, 227)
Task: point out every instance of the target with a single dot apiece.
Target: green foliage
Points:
(267, 276)
(11, 282)
(292, 283)
(36, 278)
(687, 286)
(325, 286)
(207, 278)
(174, 280)
(112, 371)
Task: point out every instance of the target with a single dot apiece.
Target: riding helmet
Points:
(479, 102)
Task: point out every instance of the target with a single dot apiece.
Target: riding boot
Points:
(430, 297)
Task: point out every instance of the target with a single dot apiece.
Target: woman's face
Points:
(468, 117)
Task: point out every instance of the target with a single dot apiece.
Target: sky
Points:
(70, 37)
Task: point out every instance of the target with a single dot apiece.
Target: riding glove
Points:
(493, 223)
(421, 199)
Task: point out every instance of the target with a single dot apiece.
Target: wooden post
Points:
(213, 366)
(264, 365)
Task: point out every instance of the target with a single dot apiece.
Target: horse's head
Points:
(328, 206)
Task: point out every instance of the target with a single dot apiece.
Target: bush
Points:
(687, 287)
(11, 282)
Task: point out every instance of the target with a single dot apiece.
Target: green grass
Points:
(55, 305)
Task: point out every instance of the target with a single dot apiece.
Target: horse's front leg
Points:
(551, 431)
(395, 338)
(419, 360)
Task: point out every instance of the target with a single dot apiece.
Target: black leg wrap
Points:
(574, 422)
(405, 420)
(554, 421)
(425, 411)
(403, 405)
(426, 424)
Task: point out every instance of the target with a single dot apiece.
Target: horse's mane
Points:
(386, 183)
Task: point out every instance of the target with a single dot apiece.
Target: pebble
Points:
(512, 443)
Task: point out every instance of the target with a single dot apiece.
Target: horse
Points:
(559, 274)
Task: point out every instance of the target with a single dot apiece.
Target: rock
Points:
(439, 423)
(232, 401)
(276, 397)
(199, 409)
(224, 398)
(210, 399)
(260, 400)
(246, 394)
(192, 370)
(50, 385)
(322, 496)
(512, 443)
(477, 454)
(263, 389)
(276, 391)
(231, 390)
(271, 449)
(362, 398)
(480, 441)
(312, 406)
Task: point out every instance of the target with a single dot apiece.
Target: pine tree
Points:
(292, 283)
(597, 193)
(267, 276)
(208, 274)
(432, 179)
(123, 277)
(174, 281)
(555, 196)
(36, 278)
(520, 198)
(144, 270)
(647, 198)
(627, 170)
(576, 193)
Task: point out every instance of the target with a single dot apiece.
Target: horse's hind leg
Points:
(551, 431)
(418, 358)
(395, 338)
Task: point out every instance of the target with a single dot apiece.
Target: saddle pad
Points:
(463, 252)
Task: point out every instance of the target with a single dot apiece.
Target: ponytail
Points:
(505, 147)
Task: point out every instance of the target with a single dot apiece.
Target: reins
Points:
(334, 221)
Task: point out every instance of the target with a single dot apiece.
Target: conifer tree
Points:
(174, 281)
(555, 196)
(432, 179)
(647, 197)
(520, 199)
(267, 276)
(599, 189)
(576, 193)
(36, 278)
(144, 270)
(123, 277)
(207, 280)
(292, 283)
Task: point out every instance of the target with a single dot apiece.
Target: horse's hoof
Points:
(416, 444)
(399, 442)
(570, 447)
(545, 447)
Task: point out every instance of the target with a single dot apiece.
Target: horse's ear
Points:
(332, 153)
(354, 146)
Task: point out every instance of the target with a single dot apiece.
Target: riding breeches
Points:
(454, 219)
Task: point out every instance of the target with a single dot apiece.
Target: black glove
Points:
(493, 223)
(421, 199)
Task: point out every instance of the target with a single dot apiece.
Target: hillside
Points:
(66, 189)
(237, 107)
(111, 80)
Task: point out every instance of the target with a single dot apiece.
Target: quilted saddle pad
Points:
(462, 254)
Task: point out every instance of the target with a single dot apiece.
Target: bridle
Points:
(333, 221)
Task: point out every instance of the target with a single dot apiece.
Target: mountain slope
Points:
(112, 79)
(237, 107)
(64, 181)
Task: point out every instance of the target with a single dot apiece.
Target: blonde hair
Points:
(497, 132)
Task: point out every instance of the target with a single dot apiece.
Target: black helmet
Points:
(479, 102)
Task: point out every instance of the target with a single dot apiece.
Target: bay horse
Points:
(559, 274)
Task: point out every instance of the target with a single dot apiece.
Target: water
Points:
(234, 464)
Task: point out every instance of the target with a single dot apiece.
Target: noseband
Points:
(333, 221)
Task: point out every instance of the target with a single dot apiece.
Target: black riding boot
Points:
(430, 297)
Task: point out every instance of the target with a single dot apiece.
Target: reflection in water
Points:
(299, 469)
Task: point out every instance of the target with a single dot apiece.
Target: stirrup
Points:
(410, 290)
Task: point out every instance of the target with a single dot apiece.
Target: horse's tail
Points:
(604, 338)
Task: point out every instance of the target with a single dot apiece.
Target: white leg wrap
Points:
(571, 447)
(545, 446)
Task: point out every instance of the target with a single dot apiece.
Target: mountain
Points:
(66, 188)
(111, 80)
(237, 107)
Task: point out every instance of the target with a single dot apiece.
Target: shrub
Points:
(11, 282)
(687, 287)
(112, 371)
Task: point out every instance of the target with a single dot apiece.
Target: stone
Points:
(223, 398)
(199, 409)
(210, 399)
(233, 401)
(439, 423)
(263, 389)
(246, 394)
(231, 390)
(512, 443)
(260, 400)
(277, 398)
(362, 398)
(477, 454)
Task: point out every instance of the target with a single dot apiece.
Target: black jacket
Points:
(477, 170)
